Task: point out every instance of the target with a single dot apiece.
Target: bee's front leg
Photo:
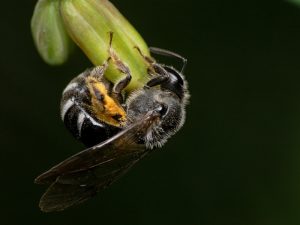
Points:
(122, 84)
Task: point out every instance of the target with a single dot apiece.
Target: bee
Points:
(117, 131)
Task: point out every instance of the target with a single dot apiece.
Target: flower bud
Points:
(89, 23)
(49, 33)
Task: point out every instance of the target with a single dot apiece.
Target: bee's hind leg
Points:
(99, 71)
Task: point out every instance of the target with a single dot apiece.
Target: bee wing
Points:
(120, 144)
(81, 176)
(74, 188)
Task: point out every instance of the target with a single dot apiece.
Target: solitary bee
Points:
(118, 131)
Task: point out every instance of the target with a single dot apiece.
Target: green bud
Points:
(49, 34)
(89, 22)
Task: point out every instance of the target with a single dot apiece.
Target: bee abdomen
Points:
(76, 115)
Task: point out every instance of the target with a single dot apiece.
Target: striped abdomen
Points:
(78, 112)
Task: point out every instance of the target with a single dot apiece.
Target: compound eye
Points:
(163, 109)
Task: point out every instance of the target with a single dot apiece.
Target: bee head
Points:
(175, 83)
(163, 102)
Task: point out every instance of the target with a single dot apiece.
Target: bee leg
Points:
(161, 76)
(164, 52)
(99, 71)
(158, 80)
(122, 84)
(154, 67)
(119, 87)
(155, 70)
(148, 59)
(151, 62)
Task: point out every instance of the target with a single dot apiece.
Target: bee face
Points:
(170, 107)
(118, 132)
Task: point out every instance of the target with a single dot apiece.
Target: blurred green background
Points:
(235, 162)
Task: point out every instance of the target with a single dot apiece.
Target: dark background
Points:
(235, 162)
